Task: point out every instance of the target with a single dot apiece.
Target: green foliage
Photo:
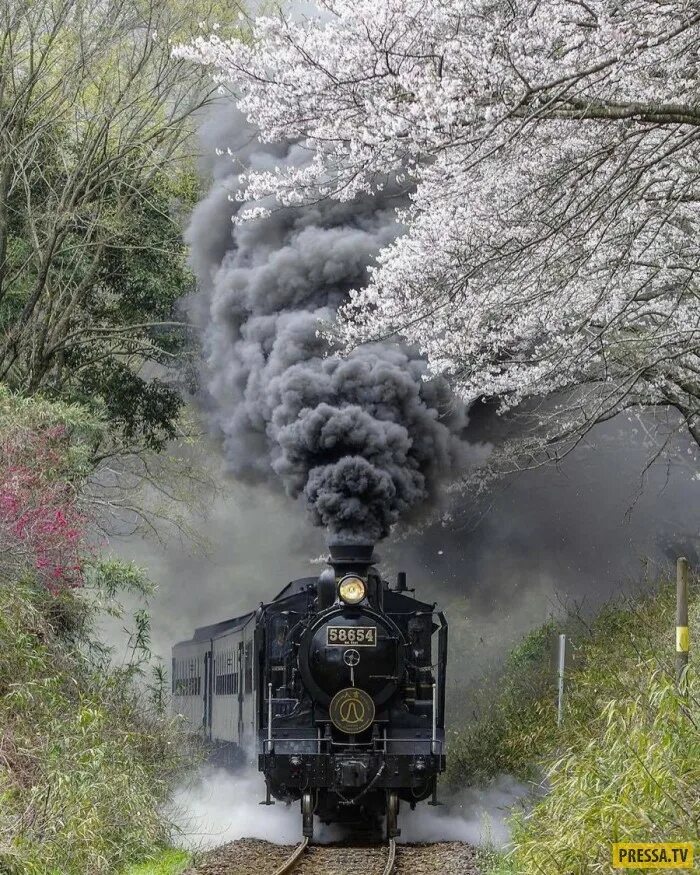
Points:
(97, 127)
(170, 862)
(87, 761)
(142, 276)
(126, 318)
(508, 735)
(624, 765)
(85, 427)
(111, 576)
(496, 863)
(87, 753)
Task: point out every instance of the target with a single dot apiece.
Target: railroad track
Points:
(257, 857)
(389, 868)
(295, 858)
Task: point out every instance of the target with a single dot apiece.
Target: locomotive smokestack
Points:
(345, 552)
(349, 558)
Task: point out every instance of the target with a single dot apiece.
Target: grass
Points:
(86, 761)
(624, 765)
(169, 862)
(492, 862)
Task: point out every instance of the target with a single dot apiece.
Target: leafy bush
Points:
(625, 763)
(508, 735)
(87, 755)
(43, 464)
(85, 759)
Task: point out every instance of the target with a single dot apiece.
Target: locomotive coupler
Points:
(352, 773)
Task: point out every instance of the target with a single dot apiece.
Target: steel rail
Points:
(298, 852)
(391, 860)
(291, 860)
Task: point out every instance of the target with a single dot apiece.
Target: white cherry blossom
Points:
(552, 155)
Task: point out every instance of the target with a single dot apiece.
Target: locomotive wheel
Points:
(392, 815)
(307, 815)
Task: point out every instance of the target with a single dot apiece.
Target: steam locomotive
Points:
(338, 685)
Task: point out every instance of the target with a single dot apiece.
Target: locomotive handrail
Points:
(269, 717)
(439, 743)
(374, 742)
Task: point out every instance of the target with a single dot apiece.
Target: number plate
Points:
(351, 636)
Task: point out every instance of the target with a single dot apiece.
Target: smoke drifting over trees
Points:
(365, 439)
(551, 241)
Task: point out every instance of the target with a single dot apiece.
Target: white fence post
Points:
(560, 677)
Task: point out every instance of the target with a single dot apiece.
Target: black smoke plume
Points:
(365, 439)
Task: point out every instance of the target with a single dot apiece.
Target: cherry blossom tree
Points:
(551, 153)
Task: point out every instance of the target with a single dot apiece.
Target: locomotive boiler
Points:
(338, 686)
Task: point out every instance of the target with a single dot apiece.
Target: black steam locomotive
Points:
(338, 684)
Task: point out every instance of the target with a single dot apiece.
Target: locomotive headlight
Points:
(352, 589)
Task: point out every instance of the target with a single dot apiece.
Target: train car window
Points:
(178, 688)
(188, 686)
(277, 640)
(187, 677)
(226, 683)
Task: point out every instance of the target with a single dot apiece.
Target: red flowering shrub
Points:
(42, 526)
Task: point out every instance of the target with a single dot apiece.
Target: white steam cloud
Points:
(221, 807)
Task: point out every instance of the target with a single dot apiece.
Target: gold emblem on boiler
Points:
(351, 710)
